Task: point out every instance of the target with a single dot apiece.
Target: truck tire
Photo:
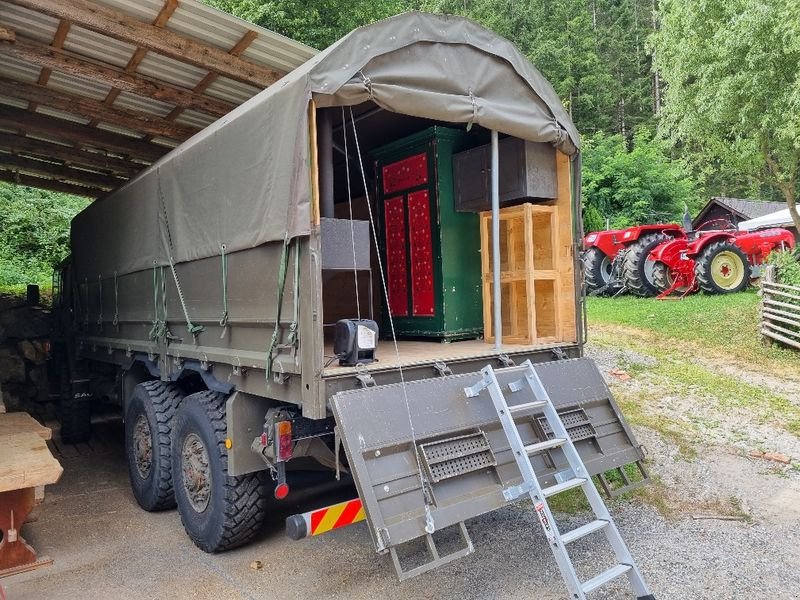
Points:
(637, 271)
(597, 272)
(149, 418)
(75, 414)
(722, 268)
(218, 511)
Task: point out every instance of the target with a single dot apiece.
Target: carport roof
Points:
(91, 92)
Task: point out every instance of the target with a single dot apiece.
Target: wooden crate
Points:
(536, 272)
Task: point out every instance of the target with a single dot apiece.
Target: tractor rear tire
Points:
(218, 511)
(149, 418)
(722, 268)
(637, 276)
(597, 273)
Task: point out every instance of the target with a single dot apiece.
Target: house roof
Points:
(741, 208)
(93, 91)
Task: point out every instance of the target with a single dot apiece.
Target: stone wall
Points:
(24, 331)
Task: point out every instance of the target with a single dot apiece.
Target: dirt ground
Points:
(104, 546)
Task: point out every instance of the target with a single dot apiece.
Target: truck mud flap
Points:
(458, 461)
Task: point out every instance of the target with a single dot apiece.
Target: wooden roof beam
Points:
(58, 172)
(94, 109)
(16, 119)
(120, 26)
(138, 55)
(50, 184)
(59, 60)
(90, 160)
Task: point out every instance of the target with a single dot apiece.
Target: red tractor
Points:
(616, 260)
(715, 261)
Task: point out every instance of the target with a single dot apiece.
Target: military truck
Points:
(308, 283)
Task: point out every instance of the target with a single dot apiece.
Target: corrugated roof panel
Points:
(144, 10)
(78, 87)
(170, 70)
(230, 90)
(142, 104)
(98, 47)
(120, 130)
(7, 100)
(16, 69)
(34, 25)
(60, 114)
(195, 119)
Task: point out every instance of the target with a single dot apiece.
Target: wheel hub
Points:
(727, 270)
(143, 447)
(196, 472)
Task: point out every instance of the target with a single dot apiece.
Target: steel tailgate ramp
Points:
(426, 457)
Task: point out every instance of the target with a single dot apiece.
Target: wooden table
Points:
(25, 465)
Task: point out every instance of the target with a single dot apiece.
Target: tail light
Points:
(283, 440)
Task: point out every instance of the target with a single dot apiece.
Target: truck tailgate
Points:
(457, 462)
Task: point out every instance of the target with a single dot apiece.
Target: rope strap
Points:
(191, 327)
(223, 320)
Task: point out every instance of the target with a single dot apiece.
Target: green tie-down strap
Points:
(282, 270)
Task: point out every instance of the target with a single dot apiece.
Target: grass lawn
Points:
(723, 326)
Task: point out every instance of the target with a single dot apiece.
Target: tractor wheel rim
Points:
(142, 447)
(606, 269)
(727, 270)
(196, 472)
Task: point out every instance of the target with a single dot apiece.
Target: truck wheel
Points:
(218, 511)
(75, 416)
(637, 270)
(598, 270)
(722, 268)
(148, 424)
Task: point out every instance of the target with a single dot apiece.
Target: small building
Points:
(735, 210)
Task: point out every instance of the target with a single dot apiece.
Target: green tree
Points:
(643, 185)
(34, 229)
(733, 86)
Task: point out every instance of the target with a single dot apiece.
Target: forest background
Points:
(676, 100)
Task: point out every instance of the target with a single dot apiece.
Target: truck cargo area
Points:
(405, 236)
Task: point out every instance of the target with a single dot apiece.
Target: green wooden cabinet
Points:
(431, 253)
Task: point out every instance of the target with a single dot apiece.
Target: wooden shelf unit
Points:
(536, 269)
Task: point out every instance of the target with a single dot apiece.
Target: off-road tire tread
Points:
(165, 398)
(592, 259)
(246, 496)
(702, 268)
(632, 275)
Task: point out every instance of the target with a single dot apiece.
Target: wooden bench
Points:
(26, 465)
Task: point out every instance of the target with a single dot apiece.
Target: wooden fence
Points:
(780, 310)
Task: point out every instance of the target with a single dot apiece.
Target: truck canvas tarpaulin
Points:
(244, 180)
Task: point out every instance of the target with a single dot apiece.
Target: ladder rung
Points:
(563, 487)
(583, 531)
(546, 445)
(527, 406)
(604, 578)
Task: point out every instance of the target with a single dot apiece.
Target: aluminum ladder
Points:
(578, 478)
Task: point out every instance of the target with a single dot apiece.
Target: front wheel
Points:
(722, 268)
(219, 512)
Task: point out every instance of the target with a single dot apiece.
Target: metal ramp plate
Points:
(465, 457)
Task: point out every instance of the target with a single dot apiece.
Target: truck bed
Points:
(417, 352)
